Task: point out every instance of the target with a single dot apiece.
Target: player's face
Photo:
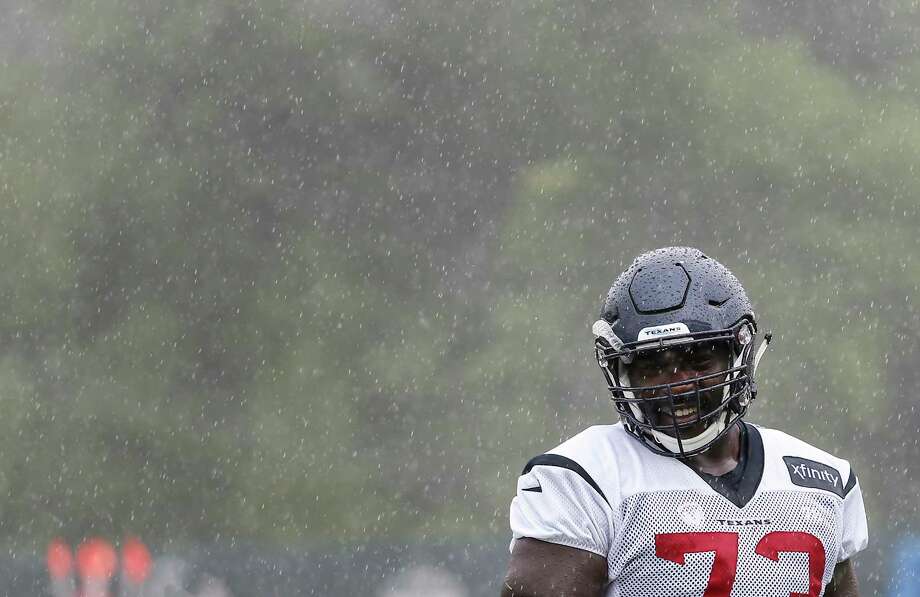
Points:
(682, 366)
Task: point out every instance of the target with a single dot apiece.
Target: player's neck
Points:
(722, 457)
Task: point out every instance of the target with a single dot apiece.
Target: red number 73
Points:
(673, 547)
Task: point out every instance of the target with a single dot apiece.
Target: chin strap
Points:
(692, 443)
(761, 350)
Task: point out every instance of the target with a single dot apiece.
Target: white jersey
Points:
(665, 530)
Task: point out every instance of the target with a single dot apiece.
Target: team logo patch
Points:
(663, 331)
(692, 514)
(815, 513)
(815, 475)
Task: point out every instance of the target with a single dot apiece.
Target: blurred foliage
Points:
(293, 272)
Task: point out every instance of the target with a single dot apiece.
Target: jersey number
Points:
(673, 547)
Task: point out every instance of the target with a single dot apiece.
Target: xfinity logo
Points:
(806, 472)
(812, 474)
(663, 331)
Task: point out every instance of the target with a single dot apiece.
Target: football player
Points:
(682, 496)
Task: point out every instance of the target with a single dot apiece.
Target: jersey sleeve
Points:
(558, 502)
(855, 535)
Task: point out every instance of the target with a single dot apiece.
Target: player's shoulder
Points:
(596, 444)
(806, 464)
(598, 455)
(790, 445)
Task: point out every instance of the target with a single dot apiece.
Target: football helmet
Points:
(677, 298)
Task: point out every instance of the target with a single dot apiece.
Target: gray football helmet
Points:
(670, 297)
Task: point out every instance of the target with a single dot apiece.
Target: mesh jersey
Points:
(665, 531)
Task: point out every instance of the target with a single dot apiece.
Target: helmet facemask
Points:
(685, 416)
